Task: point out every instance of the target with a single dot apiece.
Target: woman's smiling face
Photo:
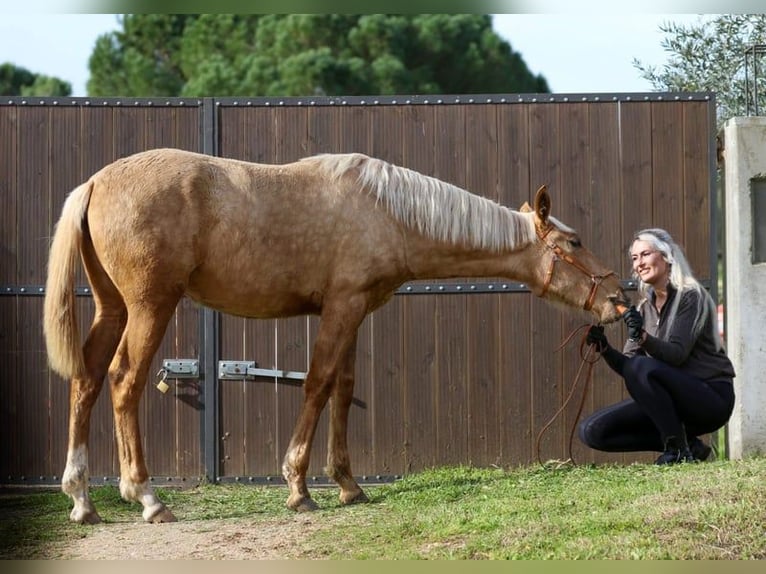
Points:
(649, 264)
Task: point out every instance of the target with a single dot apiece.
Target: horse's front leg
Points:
(336, 338)
(338, 460)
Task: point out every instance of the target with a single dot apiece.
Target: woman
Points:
(674, 364)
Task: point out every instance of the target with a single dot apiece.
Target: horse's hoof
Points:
(164, 515)
(354, 498)
(303, 504)
(80, 517)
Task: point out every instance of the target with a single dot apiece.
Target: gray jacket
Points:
(679, 348)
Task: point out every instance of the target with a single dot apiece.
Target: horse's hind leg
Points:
(105, 332)
(127, 376)
(100, 345)
(338, 460)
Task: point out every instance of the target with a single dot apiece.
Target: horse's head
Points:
(567, 272)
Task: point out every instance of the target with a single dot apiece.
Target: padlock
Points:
(162, 386)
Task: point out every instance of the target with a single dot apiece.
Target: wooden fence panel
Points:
(51, 148)
(441, 379)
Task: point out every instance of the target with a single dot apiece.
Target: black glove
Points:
(596, 337)
(634, 322)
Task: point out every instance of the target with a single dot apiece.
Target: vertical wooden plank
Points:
(638, 204)
(355, 134)
(11, 374)
(668, 171)
(33, 210)
(453, 424)
(545, 166)
(234, 400)
(188, 454)
(514, 313)
(129, 131)
(186, 130)
(636, 176)
(481, 177)
(160, 409)
(605, 239)
(420, 136)
(354, 130)
(387, 125)
(420, 373)
(10, 392)
(575, 210)
(263, 454)
(697, 135)
(387, 392)
(388, 398)
(350, 129)
(65, 175)
(292, 343)
(454, 385)
(160, 127)
(9, 192)
(98, 149)
(323, 130)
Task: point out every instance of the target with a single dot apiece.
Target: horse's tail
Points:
(62, 335)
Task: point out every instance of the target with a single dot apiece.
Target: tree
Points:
(709, 55)
(306, 54)
(18, 81)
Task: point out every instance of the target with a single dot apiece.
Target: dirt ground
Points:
(231, 539)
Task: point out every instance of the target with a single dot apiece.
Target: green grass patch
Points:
(702, 511)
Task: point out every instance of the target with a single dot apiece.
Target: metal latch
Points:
(181, 368)
(249, 370)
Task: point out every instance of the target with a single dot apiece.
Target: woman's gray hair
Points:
(682, 278)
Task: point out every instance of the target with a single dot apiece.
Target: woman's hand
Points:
(596, 337)
(635, 324)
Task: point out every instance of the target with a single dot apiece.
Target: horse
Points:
(332, 234)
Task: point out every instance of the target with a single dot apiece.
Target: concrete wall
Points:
(744, 160)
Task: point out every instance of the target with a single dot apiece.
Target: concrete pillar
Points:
(744, 143)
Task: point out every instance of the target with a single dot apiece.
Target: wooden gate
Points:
(458, 372)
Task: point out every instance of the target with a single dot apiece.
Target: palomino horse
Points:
(333, 235)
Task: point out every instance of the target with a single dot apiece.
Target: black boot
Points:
(676, 450)
(700, 451)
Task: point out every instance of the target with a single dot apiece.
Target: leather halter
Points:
(559, 254)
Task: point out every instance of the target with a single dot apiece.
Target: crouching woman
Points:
(674, 365)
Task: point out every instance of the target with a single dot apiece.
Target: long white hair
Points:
(682, 278)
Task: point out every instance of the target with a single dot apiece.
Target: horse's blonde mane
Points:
(435, 208)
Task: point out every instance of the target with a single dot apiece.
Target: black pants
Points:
(664, 401)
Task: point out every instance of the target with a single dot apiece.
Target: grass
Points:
(713, 510)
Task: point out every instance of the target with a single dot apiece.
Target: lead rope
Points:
(587, 358)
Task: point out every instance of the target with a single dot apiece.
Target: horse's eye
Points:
(574, 242)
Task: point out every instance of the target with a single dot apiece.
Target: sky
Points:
(586, 53)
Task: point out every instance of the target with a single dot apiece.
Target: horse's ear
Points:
(526, 208)
(543, 203)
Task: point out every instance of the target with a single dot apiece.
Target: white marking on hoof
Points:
(74, 482)
(154, 509)
(158, 515)
(83, 515)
